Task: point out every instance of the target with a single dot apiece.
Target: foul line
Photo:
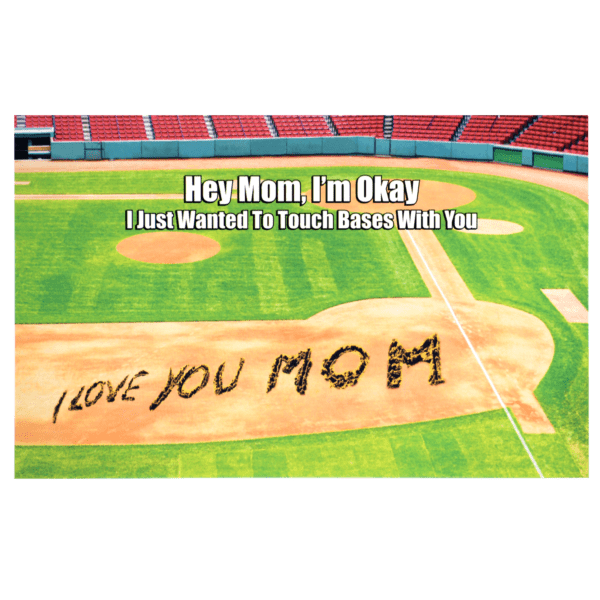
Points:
(477, 358)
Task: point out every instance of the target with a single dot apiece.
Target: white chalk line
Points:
(537, 468)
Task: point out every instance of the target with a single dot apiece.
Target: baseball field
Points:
(102, 337)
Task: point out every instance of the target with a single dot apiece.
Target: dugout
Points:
(33, 142)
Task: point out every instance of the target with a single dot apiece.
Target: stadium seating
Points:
(166, 127)
(425, 127)
(131, 127)
(255, 126)
(315, 126)
(553, 132)
(301, 126)
(104, 128)
(228, 126)
(547, 133)
(580, 147)
(240, 126)
(494, 129)
(37, 121)
(68, 128)
(193, 127)
(371, 125)
(115, 128)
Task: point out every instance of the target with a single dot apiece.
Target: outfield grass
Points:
(483, 445)
(68, 271)
(512, 270)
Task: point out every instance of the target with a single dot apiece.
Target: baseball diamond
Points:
(304, 350)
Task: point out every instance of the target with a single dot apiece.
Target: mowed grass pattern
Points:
(67, 271)
(483, 445)
(551, 252)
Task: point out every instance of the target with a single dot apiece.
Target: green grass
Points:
(138, 182)
(68, 271)
(483, 445)
(512, 270)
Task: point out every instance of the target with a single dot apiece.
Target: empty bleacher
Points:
(104, 128)
(68, 128)
(558, 133)
(315, 126)
(166, 127)
(255, 126)
(425, 127)
(228, 126)
(38, 121)
(494, 129)
(241, 126)
(131, 127)
(553, 133)
(117, 127)
(371, 125)
(579, 147)
(301, 126)
(193, 127)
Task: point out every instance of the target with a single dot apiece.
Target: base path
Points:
(452, 284)
(568, 305)
(498, 354)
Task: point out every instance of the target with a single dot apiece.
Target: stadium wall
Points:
(341, 145)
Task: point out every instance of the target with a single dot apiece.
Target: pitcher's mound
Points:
(168, 247)
(495, 227)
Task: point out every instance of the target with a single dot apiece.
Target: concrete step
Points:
(148, 127)
(210, 126)
(331, 125)
(461, 127)
(271, 126)
(388, 126)
(523, 130)
(87, 131)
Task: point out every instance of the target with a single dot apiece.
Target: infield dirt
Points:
(516, 347)
(168, 247)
